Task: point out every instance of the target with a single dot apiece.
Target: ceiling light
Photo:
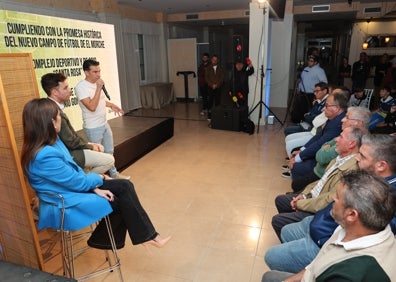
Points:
(387, 39)
(365, 45)
(261, 3)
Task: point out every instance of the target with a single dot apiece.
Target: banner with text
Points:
(62, 45)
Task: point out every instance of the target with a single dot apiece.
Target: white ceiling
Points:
(186, 6)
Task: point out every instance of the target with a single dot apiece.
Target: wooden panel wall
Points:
(18, 235)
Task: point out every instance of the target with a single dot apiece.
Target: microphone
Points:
(105, 92)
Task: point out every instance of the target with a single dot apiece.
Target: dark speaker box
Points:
(229, 117)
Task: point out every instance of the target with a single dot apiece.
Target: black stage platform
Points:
(136, 136)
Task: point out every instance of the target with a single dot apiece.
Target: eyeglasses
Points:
(348, 118)
(330, 105)
(317, 91)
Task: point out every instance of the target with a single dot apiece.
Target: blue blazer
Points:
(331, 130)
(54, 170)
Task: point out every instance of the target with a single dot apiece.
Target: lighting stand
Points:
(261, 102)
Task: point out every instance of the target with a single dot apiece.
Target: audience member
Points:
(321, 93)
(355, 117)
(360, 71)
(390, 76)
(214, 77)
(386, 103)
(310, 76)
(358, 99)
(304, 159)
(303, 240)
(393, 90)
(93, 105)
(362, 248)
(203, 86)
(344, 71)
(89, 156)
(50, 168)
(380, 69)
(239, 86)
(294, 207)
(388, 126)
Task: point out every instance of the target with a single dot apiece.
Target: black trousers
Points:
(299, 183)
(286, 214)
(204, 93)
(214, 95)
(128, 215)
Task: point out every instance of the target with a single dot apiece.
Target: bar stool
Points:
(69, 252)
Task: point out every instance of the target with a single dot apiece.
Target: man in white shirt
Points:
(93, 104)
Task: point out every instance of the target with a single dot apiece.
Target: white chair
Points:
(70, 252)
(369, 94)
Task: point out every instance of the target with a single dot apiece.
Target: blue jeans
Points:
(297, 251)
(102, 135)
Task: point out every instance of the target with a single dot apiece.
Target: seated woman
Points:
(49, 167)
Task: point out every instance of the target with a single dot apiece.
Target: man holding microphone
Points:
(91, 95)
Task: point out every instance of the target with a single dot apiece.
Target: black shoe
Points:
(286, 174)
(287, 159)
(285, 167)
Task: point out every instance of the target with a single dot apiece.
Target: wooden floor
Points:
(213, 192)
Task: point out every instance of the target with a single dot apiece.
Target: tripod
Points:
(291, 99)
(261, 103)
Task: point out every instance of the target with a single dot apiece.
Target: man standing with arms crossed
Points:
(93, 104)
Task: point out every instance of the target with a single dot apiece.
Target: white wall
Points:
(258, 40)
(281, 53)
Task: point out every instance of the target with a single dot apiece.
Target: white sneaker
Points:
(121, 176)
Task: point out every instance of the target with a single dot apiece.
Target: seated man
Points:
(362, 248)
(296, 140)
(88, 156)
(358, 98)
(321, 92)
(356, 117)
(386, 103)
(317, 195)
(304, 160)
(388, 126)
(303, 240)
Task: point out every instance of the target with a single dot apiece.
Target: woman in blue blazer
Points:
(88, 197)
